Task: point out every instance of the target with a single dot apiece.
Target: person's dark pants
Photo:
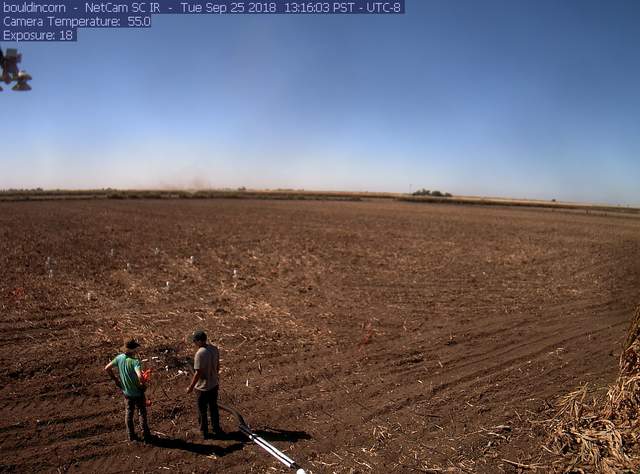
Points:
(139, 403)
(208, 399)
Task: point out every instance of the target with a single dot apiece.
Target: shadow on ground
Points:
(268, 433)
(275, 434)
(197, 448)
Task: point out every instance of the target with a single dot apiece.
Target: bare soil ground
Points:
(357, 336)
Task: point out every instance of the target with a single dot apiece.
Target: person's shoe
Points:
(147, 437)
(133, 437)
(219, 434)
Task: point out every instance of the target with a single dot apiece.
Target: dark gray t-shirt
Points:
(207, 359)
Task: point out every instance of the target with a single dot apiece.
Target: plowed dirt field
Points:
(368, 337)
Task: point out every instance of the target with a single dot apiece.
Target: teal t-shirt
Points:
(128, 378)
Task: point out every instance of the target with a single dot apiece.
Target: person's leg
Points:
(213, 410)
(202, 412)
(130, 404)
(144, 422)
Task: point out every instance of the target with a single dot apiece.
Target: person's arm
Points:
(196, 376)
(109, 370)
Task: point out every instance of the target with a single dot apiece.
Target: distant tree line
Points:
(426, 192)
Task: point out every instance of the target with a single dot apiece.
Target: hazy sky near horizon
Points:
(529, 98)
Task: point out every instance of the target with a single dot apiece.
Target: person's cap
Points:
(199, 336)
(131, 344)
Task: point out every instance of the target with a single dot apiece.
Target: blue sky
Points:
(533, 99)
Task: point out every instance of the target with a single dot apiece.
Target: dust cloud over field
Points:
(357, 336)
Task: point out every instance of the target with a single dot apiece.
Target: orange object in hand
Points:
(146, 375)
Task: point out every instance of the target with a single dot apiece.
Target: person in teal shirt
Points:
(132, 386)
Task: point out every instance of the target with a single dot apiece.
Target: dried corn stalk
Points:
(601, 435)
